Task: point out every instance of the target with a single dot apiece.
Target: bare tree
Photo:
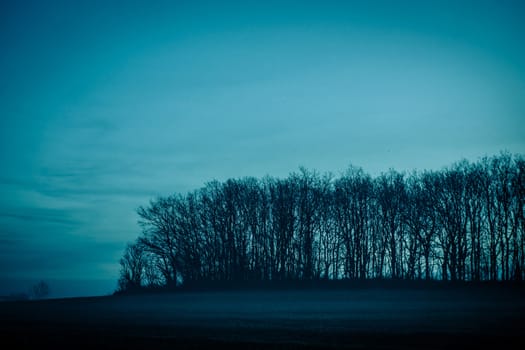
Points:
(40, 290)
(463, 222)
(132, 267)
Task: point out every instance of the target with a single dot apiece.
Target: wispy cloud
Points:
(41, 215)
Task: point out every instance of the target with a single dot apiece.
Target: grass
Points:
(373, 316)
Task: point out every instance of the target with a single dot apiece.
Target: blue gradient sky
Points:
(105, 105)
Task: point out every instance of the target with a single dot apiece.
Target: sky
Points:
(105, 105)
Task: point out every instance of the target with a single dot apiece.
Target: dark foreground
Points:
(364, 318)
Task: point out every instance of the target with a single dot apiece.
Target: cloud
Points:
(60, 257)
(36, 215)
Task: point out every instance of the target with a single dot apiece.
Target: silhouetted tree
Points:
(354, 196)
(391, 199)
(132, 267)
(465, 222)
(40, 290)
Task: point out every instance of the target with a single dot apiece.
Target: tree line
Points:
(462, 223)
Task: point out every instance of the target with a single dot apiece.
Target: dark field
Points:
(359, 318)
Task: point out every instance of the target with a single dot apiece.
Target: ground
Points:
(351, 318)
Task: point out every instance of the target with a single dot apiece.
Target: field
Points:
(351, 318)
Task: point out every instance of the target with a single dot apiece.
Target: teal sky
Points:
(104, 105)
